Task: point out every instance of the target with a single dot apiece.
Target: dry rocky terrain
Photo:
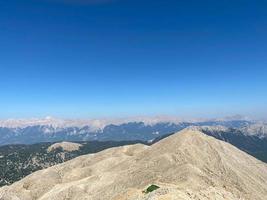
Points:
(188, 165)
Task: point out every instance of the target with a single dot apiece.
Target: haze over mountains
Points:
(145, 129)
(187, 165)
(95, 124)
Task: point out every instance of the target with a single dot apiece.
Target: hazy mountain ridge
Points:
(188, 165)
(143, 130)
(129, 131)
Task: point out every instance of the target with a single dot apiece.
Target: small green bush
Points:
(151, 188)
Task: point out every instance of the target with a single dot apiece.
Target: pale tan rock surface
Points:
(187, 165)
(66, 146)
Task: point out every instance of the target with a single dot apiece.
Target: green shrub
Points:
(151, 188)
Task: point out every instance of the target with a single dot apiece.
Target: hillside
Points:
(18, 161)
(188, 165)
(250, 143)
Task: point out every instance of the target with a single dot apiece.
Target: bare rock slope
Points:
(187, 165)
(65, 146)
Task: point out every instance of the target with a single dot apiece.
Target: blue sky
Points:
(100, 58)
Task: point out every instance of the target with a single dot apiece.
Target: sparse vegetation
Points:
(151, 188)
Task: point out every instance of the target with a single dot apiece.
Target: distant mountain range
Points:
(52, 130)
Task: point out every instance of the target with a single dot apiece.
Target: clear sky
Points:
(99, 58)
